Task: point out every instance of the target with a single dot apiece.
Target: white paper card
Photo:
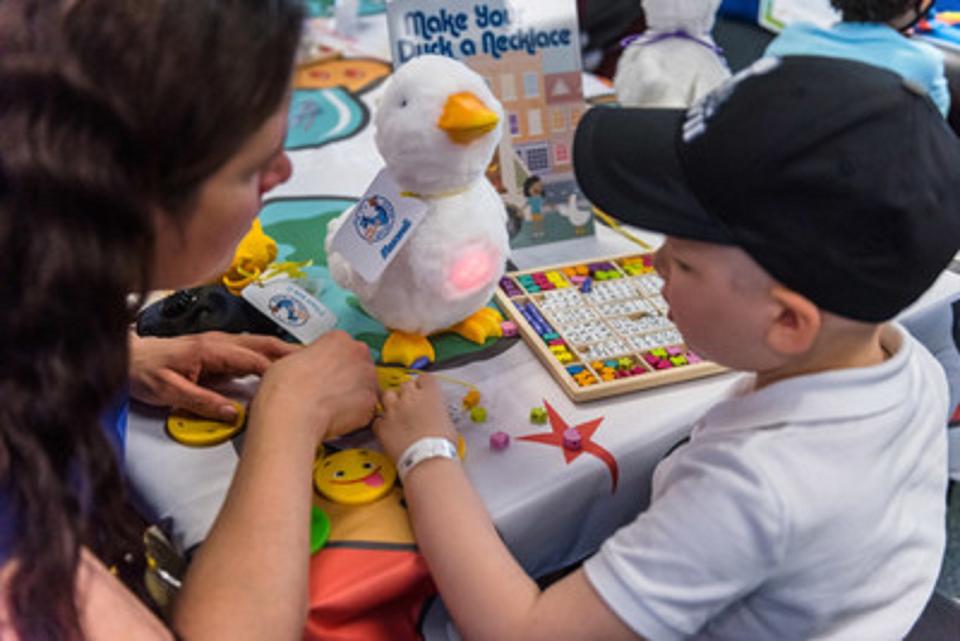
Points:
(291, 307)
(377, 227)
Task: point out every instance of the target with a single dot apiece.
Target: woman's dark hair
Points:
(874, 10)
(110, 111)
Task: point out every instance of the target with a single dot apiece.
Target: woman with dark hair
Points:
(136, 139)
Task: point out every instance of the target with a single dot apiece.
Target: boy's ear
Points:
(796, 324)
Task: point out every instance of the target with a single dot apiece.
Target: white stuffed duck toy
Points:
(675, 61)
(437, 127)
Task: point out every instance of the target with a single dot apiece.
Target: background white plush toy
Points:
(675, 61)
(437, 127)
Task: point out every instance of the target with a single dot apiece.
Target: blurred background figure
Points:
(675, 61)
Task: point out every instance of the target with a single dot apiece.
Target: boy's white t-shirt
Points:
(811, 509)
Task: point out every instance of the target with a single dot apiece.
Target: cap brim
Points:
(626, 163)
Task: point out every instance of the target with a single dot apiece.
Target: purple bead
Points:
(509, 287)
(572, 439)
(420, 363)
(499, 441)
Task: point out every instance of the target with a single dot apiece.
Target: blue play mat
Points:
(324, 8)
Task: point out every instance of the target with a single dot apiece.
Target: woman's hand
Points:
(171, 371)
(330, 386)
(416, 410)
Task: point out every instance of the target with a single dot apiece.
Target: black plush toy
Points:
(203, 309)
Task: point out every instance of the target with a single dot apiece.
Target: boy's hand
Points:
(414, 411)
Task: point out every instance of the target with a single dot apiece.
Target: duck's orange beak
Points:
(466, 118)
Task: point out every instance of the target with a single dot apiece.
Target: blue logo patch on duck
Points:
(373, 218)
(288, 311)
(372, 234)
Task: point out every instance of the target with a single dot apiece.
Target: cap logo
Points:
(702, 111)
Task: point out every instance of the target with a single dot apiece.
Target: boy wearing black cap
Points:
(805, 202)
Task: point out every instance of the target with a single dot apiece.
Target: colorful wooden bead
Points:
(572, 439)
(472, 399)
(538, 415)
(499, 441)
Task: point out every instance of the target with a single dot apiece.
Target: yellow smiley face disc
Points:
(355, 476)
(195, 431)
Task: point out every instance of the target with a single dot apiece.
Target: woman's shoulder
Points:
(108, 611)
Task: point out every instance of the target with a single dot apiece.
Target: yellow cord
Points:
(442, 194)
(615, 225)
(247, 277)
(290, 268)
(389, 380)
(393, 377)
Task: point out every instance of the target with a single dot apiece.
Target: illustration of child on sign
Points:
(533, 191)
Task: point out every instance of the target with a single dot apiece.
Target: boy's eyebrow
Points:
(676, 247)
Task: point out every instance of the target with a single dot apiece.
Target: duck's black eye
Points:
(339, 474)
(368, 466)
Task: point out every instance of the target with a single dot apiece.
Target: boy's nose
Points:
(277, 173)
(660, 262)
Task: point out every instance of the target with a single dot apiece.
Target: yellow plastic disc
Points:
(196, 431)
(354, 476)
(461, 447)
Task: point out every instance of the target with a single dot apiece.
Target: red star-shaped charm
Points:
(558, 426)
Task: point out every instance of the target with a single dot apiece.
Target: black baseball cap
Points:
(841, 179)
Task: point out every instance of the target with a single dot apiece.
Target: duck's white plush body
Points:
(436, 144)
(419, 293)
(667, 71)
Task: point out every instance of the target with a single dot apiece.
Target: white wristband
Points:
(423, 449)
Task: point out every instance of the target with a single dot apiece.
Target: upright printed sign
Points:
(529, 54)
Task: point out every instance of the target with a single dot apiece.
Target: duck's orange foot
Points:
(405, 349)
(483, 324)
